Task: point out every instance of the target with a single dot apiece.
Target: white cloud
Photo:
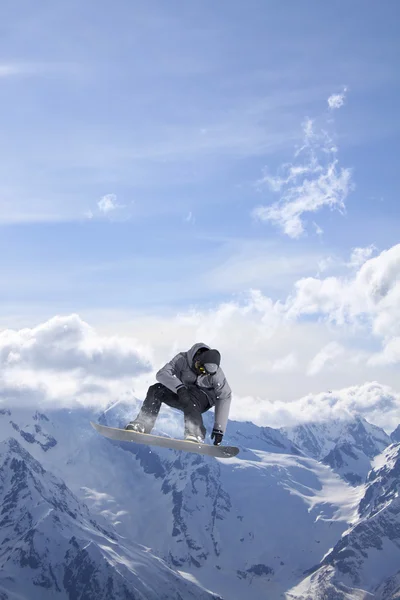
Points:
(108, 207)
(377, 403)
(280, 357)
(65, 344)
(64, 362)
(108, 203)
(369, 301)
(286, 364)
(327, 334)
(360, 255)
(375, 292)
(372, 292)
(336, 101)
(325, 357)
(326, 263)
(318, 229)
(390, 355)
(315, 181)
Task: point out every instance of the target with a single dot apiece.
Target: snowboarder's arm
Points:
(222, 403)
(167, 375)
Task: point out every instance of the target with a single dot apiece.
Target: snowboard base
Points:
(155, 440)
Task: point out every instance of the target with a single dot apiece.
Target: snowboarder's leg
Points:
(192, 410)
(194, 426)
(148, 413)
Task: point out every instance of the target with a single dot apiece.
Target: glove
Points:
(183, 395)
(217, 436)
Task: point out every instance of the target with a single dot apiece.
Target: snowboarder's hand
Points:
(183, 395)
(217, 436)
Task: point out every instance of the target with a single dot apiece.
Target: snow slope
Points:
(365, 561)
(347, 446)
(52, 546)
(395, 435)
(244, 527)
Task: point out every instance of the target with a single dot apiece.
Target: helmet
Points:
(210, 361)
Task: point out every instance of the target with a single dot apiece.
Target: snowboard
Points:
(155, 440)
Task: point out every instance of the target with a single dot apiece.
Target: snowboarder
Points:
(192, 382)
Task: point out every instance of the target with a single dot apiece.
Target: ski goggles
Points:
(208, 368)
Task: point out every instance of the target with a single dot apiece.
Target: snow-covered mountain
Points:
(395, 435)
(52, 546)
(249, 437)
(389, 589)
(365, 561)
(245, 527)
(347, 446)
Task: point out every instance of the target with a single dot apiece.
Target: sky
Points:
(199, 171)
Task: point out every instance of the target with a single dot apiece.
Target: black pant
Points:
(158, 393)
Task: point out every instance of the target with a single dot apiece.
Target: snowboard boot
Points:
(132, 426)
(197, 439)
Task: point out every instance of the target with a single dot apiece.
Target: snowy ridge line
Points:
(52, 544)
(249, 527)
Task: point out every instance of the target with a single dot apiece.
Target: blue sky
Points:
(220, 171)
(175, 109)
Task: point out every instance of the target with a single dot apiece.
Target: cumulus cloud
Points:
(68, 343)
(369, 301)
(281, 357)
(64, 361)
(325, 264)
(390, 355)
(314, 180)
(336, 101)
(360, 255)
(20, 393)
(377, 403)
(372, 295)
(329, 333)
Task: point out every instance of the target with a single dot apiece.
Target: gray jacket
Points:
(181, 370)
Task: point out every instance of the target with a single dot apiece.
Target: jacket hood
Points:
(193, 350)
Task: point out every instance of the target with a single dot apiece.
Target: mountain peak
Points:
(51, 543)
(318, 438)
(395, 435)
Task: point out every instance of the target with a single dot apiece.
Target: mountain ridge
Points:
(226, 525)
(50, 543)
